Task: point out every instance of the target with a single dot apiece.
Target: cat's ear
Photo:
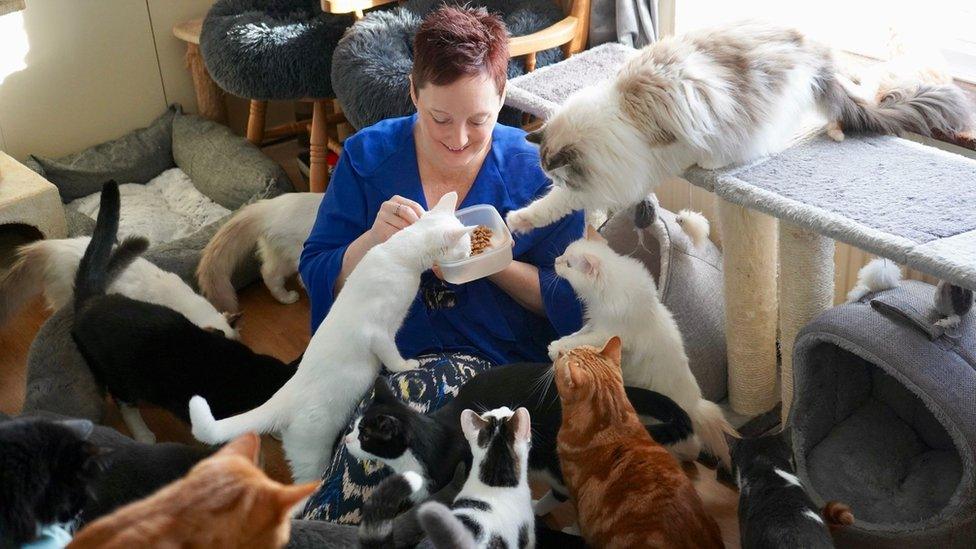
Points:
(522, 425)
(612, 349)
(472, 424)
(590, 265)
(453, 235)
(536, 136)
(247, 446)
(382, 391)
(447, 203)
(81, 428)
(288, 496)
(233, 318)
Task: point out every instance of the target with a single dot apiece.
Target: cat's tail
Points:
(228, 248)
(24, 279)
(919, 108)
(443, 528)
(837, 515)
(675, 423)
(263, 419)
(711, 427)
(376, 528)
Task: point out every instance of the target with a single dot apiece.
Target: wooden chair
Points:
(569, 34)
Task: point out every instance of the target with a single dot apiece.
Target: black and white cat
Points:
(432, 445)
(774, 509)
(144, 352)
(45, 470)
(493, 508)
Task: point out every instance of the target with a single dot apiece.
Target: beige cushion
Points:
(28, 198)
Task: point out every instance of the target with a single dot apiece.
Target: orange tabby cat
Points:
(224, 501)
(629, 491)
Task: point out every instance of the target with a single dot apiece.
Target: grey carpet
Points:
(908, 202)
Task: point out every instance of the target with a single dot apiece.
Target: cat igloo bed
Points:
(884, 419)
(689, 283)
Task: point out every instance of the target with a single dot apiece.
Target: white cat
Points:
(620, 298)
(714, 97)
(346, 352)
(49, 266)
(278, 227)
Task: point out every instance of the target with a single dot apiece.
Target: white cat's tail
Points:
(228, 248)
(879, 274)
(24, 280)
(379, 511)
(443, 528)
(263, 419)
(711, 427)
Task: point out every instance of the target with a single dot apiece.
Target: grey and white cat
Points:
(349, 347)
(714, 97)
(493, 508)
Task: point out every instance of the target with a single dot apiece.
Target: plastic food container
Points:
(495, 258)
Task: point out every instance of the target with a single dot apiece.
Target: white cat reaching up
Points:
(49, 266)
(348, 348)
(278, 227)
(620, 298)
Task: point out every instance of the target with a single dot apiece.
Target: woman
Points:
(387, 176)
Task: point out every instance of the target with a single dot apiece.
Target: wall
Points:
(94, 70)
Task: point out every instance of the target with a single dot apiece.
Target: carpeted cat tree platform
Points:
(884, 419)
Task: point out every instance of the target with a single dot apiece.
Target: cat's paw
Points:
(519, 221)
(406, 365)
(835, 132)
(557, 347)
(145, 436)
(287, 298)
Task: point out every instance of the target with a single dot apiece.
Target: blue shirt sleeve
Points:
(341, 220)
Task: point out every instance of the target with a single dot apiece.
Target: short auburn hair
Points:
(454, 42)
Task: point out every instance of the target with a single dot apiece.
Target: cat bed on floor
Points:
(372, 62)
(689, 282)
(193, 174)
(884, 419)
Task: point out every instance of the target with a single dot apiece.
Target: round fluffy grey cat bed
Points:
(181, 178)
(689, 282)
(884, 419)
(372, 63)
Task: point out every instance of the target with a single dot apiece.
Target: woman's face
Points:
(456, 120)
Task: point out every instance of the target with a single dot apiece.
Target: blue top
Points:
(381, 161)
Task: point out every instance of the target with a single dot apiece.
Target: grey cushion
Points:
(884, 419)
(372, 62)
(271, 49)
(136, 157)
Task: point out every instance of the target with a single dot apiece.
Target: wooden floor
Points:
(281, 331)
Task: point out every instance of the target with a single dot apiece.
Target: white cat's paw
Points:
(557, 347)
(572, 530)
(287, 298)
(406, 365)
(145, 436)
(519, 221)
(835, 132)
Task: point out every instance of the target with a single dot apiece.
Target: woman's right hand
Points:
(394, 214)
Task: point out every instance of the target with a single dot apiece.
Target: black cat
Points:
(143, 352)
(45, 470)
(432, 445)
(774, 509)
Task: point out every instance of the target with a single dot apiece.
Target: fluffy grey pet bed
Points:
(689, 282)
(277, 49)
(372, 62)
(884, 419)
(222, 166)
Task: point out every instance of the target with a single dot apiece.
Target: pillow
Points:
(136, 157)
(226, 168)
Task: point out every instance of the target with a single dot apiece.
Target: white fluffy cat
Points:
(278, 227)
(713, 97)
(620, 298)
(49, 266)
(347, 350)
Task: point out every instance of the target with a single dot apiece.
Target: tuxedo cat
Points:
(774, 509)
(143, 352)
(432, 445)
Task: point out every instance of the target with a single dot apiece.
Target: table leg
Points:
(210, 98)
(749, 260)
(806, 289)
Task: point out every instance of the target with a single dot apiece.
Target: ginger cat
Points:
(628, 490)
(224, 501)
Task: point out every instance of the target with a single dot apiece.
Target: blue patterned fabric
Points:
(348, 482)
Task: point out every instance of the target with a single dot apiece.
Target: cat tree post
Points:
(806, 289)
(749, 261)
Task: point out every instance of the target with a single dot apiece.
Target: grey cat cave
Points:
(884, 419)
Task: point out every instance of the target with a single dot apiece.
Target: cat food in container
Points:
(492, 259)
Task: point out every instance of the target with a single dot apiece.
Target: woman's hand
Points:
(395, 214)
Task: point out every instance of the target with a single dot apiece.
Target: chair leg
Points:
(318, 148)
(255, 121)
